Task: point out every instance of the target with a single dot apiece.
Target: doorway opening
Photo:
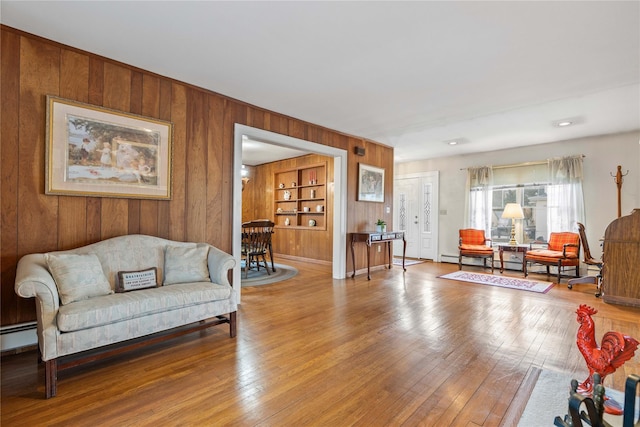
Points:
(340, 193)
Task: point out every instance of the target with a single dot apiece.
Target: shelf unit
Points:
(300, 197)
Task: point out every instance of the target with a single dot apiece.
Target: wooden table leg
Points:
(368, 261)
(404, 251)
(500, 250)
(353, 259)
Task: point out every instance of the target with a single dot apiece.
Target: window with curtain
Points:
(550, 194)
(566, 199)
(479, 184)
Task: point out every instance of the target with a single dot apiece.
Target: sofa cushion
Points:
(186, 264)
(77, 277)
(124, 306)
(129, 254)
(136, 280)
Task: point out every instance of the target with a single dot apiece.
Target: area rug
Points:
(257, 278)
(407, 262)
(549, 399)
(501, 281)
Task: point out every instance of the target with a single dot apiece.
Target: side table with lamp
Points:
(512, 211)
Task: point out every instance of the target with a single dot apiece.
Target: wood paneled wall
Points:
(201, 207)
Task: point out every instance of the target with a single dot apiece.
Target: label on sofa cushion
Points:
(134, 280)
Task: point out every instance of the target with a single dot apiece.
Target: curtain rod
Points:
(517, 165)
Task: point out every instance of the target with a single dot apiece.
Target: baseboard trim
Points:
(300, 259)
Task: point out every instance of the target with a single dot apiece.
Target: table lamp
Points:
(513, 211)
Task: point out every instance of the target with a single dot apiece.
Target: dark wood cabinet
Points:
(621, 257)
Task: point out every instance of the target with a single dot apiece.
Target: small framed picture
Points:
(94, 151)
(370, 183)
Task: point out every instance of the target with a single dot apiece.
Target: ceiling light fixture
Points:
(455, 141)
(569, 121)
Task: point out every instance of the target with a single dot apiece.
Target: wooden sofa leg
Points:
(232, 324)
(51, 378)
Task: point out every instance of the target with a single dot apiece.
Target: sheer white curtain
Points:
(565, 199)
(480, 191)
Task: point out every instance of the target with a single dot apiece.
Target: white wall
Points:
(603, 155)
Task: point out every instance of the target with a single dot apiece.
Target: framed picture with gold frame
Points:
(370, 183)
(99, 152)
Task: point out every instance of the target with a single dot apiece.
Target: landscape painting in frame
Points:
(94, 151)
(370, 183)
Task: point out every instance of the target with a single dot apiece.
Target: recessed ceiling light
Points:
(455, 141)
(569, 121)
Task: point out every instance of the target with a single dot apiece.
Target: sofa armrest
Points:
(220, 263)
(33, 280)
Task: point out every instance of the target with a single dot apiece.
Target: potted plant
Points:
(381, 226)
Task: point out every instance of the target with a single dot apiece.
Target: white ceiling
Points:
(407, 74)
(255, 152)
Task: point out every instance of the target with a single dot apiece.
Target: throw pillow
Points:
(78, 277)
(186, 264)
(134, 280)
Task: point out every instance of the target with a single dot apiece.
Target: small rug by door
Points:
(501, 281)
(257, 278)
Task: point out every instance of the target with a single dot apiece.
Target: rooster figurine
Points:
(616, 348)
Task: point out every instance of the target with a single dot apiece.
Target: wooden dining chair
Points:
(256, 242)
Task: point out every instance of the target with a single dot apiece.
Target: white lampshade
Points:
(513, 211)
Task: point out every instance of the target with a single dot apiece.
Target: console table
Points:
(369, 238)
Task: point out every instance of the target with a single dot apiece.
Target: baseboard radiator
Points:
(18, 336)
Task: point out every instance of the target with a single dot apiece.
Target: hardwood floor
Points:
(402, 349)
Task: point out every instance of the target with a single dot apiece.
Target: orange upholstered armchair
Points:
(563, 250)
(473, 243)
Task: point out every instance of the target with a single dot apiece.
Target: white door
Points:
(416, 212)
(407, 215)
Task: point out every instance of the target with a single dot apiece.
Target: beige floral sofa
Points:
(121, 289)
